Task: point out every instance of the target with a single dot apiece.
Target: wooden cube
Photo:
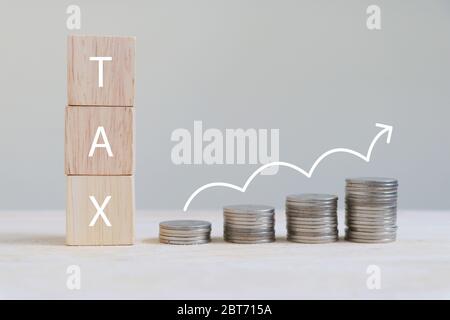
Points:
(99, 141)
(85, 223)
(84, 85)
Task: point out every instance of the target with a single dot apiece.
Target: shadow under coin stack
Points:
(312, 218)
(371, 210)
(249, 224)
(185, 232)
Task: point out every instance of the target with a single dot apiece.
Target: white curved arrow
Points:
(386, 129)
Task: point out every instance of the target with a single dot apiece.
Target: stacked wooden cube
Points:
(99, 140)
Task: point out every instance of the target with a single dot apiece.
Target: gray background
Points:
(309, 68)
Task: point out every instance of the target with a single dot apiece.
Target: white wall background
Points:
(310, 68)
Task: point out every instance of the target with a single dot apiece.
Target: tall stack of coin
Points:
(249, 224)
(185, 232)
(312, 218)
(371, 210)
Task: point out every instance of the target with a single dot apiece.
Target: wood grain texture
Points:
(416, 266)
(81, 210)
(82, 74)
(81, 127)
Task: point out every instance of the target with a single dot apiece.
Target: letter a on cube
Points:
(99, 141)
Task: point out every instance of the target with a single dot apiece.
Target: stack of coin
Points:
(371, 210)
(312, 218)
(249, 224)
(185, 232)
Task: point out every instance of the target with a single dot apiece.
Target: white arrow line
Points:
(386, 129)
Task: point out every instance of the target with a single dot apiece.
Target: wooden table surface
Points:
(34, 261)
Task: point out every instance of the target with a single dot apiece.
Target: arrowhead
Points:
(386, 128)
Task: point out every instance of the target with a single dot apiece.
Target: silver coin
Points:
(318, 214)
(181, 231)
(249, 215)
(375, 229)
(312, 223)
(249, 234)
(385, 240)
(311, 210)
(371, 212)
(308, 217)
(350, 235)
(296, 228)
(370, 202)
(295, 213)
(368, 207)
(372, 193)
(370, 233)
(249, 208)
(247, 238)
(378, 216)
(312, 220)
(372, 181)
(292, 226)
(309, 236)
(368, 217)
(318, 241)
(185, 224)
(371, 187)
(313, 230)
(184, 234)
(311, 197)
(371, 207)
(371, 225)
(370, 198)
(250, 227)
(261, 241)
(379, 224)
(249, 222)
(184, 238)
(308, 206)
(176, 242)
(315, 238)
(315, 241)
(242, 217)
(363, 215)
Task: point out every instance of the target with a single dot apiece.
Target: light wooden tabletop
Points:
(34, 261)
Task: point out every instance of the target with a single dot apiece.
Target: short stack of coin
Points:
(249, 224)
(371, 210)
(312, 218)
(185, 232)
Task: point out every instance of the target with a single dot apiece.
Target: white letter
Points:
(213, 152)
(95, 144)
(264, 157)
(374, 20)
(100, 211)
(241, 137)
(74, 280)
(198, 142)
(74, 20)
(100, 68)
(374, 280)
(181, 152)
